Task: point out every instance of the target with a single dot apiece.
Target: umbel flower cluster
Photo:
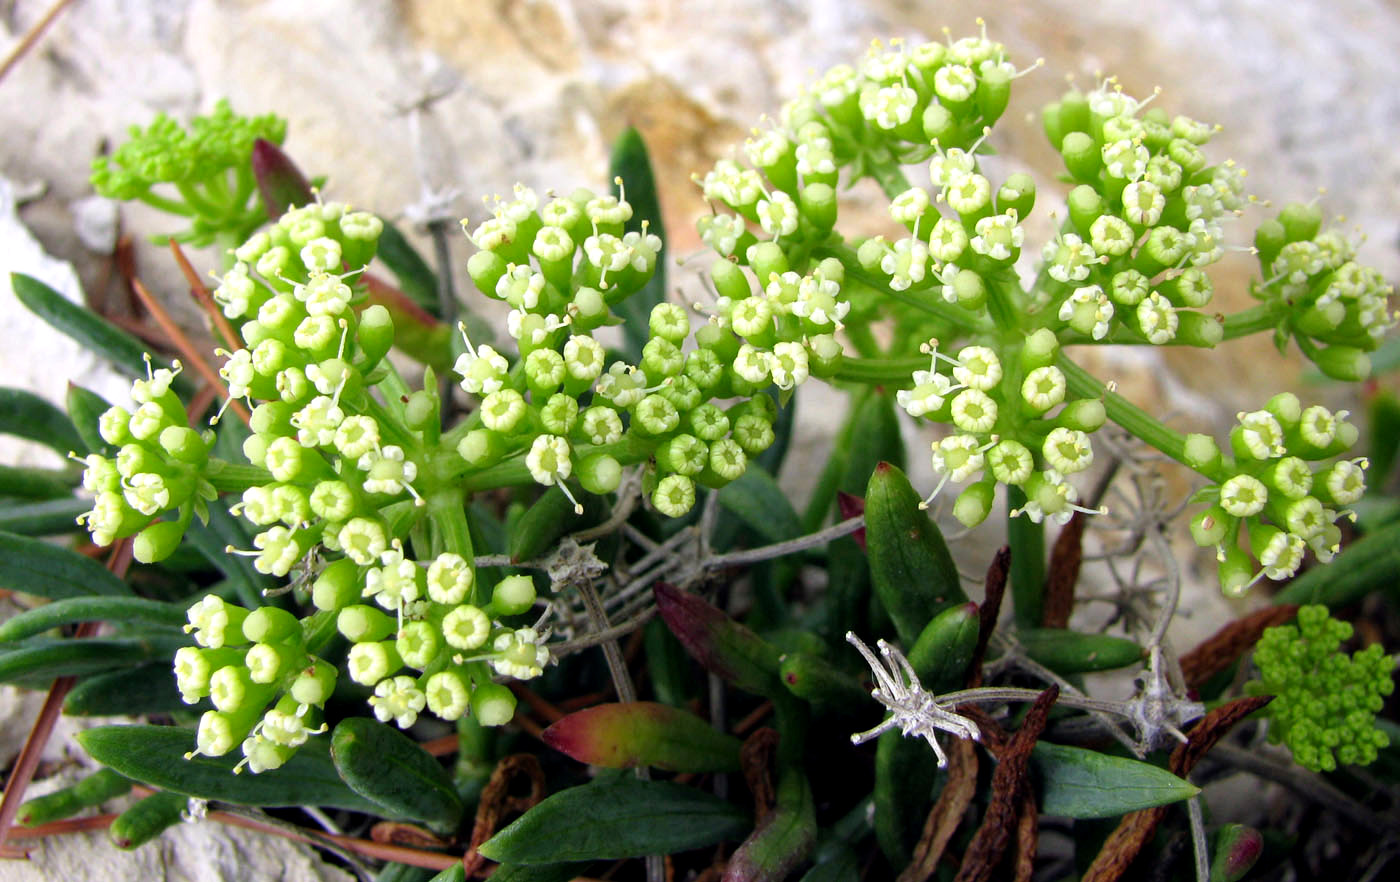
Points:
(1326, 701)
(359, 493)
(1142, 224)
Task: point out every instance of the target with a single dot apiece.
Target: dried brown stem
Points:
(186, 348)
(200, 292)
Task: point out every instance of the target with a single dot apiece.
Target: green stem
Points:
(513, 472)
(925, 300)
(447, 518)
(1132, 418)
(1027, 541)
(888, 174)
(169, 206)
(1003, 303)
(1264, 317)
(881, 371)
(232, 477)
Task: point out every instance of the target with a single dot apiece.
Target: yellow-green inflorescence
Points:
(1142, 223)
(1325, 701)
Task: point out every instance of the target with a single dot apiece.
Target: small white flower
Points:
(974, 411)
(387, 471)
(788, 365)
(888, 107)
(483, 370)
(958, 457)
(930, 390)
(548, 460)
(778, 215)
(398, 699)
(997, 236)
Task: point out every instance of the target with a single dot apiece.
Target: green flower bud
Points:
(1082, 157)
(512, 596)
(1017, 193)
(727, 463)
(492, 704)
(369, 663)
(817, 203)
(600, 473)
(158, 541)
(486, 269)
(337, 586)
(975, 503)
(559, 413)
(1084, 415)
(767, 260)
(481, 448)
(753, 433)
(683, 455)
(662, 358)
(504, 411)
(1211, 527)
(450, 579)
(544, 373)
(1201, 453)
(270, 624)
(1345, 363)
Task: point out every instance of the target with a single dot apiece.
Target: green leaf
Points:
(622, 735)
(84, 326)
(90, 609)
(910, 567)
(784, 838)
(616, 817)
(386, 766)
(536, 872)
(26, 482)
(630, 162)
(85, 407)
(41, 659)
(755, 498)
(1070, 652)
(155, 755)
(144, 689)
(1079, 783)
(26, 415)
(47, 518)
(33, 567)
(415, 277)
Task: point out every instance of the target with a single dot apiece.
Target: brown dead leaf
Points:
(497, 801)
(990, 609)
(1027, 836)
(409, 835)
(1010, 783)
(1063, 575)
(756, 760)
(947, 812)
(1224, 647)
(1136, 829)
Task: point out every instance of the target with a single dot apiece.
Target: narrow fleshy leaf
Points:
(1080, 783)
(911, 570)
(384, 765)
(1237, 849)
(40, 568)
(26, 415)
(616, 817)
(755, 498)
(90, 609)
(721, 645)
(84, 326)
(280, 183)
(630, 162)
(155, 755)
(783, 839)
(643, 733)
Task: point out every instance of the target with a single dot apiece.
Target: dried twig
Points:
(1224, 647)
(997, 575)
(947, 812)
(1063, 575)
(1009, 784)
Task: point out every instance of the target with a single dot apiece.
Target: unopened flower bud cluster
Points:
(1326, 701)
(561, 265)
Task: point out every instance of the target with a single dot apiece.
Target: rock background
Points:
(536, 91)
